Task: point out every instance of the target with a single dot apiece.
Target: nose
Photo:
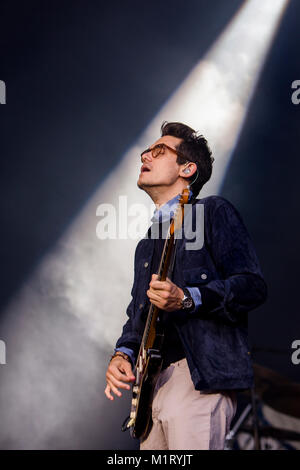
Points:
(146, 155)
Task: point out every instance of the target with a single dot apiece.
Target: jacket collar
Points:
(167, 210)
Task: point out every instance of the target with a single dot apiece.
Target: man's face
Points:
(162, 170)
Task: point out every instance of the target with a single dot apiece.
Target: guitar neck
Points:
(165, 268)
(149, 334)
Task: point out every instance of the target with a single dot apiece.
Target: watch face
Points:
(187, 302)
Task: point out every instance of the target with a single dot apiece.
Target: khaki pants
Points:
(185, 418)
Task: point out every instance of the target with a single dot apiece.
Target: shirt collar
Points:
(167, 210)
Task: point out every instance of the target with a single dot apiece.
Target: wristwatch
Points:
(187, 302)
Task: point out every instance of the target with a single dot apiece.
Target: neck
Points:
(161, 195)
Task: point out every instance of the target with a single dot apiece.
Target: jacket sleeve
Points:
(130, 337)
(241, 286)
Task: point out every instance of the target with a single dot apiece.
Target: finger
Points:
(120, 375)
(112, 380)
(122, 371)
(125, 377)
(160, 285)
(153, 296)
(157, 303)
(158, 295)
(114, 388)
(154, 277)
(128, 371)
(107, 392)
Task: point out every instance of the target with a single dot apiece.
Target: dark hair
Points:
(196, 150)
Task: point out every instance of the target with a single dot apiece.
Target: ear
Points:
(188, 169)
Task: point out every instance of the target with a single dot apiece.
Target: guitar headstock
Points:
(184, 197)
(178, 215)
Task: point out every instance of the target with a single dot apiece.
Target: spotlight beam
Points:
(83, 284)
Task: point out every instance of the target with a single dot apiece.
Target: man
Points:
(206, 357)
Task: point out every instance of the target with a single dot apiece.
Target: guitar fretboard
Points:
(166, 256)
(169, 239)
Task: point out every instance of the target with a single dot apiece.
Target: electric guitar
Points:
(149, 359)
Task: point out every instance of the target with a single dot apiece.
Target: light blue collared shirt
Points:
(164, 214)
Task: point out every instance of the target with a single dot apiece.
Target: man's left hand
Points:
(165, 294)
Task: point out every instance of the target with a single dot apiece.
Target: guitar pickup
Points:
(154, 354)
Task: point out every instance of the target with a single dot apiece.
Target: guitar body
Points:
(143, 417)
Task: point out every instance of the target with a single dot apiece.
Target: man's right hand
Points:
(118, 374)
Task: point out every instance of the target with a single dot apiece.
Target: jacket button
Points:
(203, 276)
(141, 306)
(146, 264)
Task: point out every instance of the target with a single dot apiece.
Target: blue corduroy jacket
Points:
(226, 270)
